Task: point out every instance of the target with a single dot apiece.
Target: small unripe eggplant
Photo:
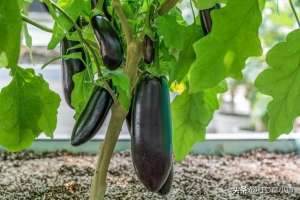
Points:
(206, 20)
(149, 50)
(92, 117)
(151, 127)
(110, 44)
(70, 67)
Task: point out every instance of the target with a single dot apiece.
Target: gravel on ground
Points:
(62, 175)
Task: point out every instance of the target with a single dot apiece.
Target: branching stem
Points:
(166, 6)
(126, 28)
(36, 24)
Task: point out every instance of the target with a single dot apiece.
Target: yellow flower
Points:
(178, 87)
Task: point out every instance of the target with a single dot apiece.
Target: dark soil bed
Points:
(61, 175)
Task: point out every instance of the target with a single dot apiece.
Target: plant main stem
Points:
(99, 180)
(118, 116)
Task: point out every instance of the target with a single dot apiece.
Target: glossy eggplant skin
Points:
(128, 119)
(111, 48)
(70, 67)
(151, 130)
(166, 188)
(206, 20)
(92, 117)
(149, 50)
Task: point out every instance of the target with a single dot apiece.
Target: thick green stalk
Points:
(118, 116)
(133, 57)
(98, 187)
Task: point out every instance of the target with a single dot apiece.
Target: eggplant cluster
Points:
(100, 101)
(98, 105)
(149, 117)
(151, 132)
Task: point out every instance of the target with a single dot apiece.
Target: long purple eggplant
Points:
(151, 127)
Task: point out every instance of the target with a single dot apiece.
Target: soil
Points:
(62, 175)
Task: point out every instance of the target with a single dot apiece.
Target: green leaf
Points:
(187, 55)
(223, 52)
(82, 91)
(164, 66)
(28, 108)
(180, 37)
(10, 31)
(205, 4)
(282, 81)
(3, 59)
(74, 8)
(28, 40)
(173, 37)
(191, 114)
(122, 83)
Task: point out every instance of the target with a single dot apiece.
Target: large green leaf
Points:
(282, 81)
(191, 114)
(172, 32)
(28, 108)
(74, 8)
(180, 37)
(187, 55)
(233, 39)
(10, 32)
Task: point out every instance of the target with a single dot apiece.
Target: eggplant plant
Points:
(126, 57)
